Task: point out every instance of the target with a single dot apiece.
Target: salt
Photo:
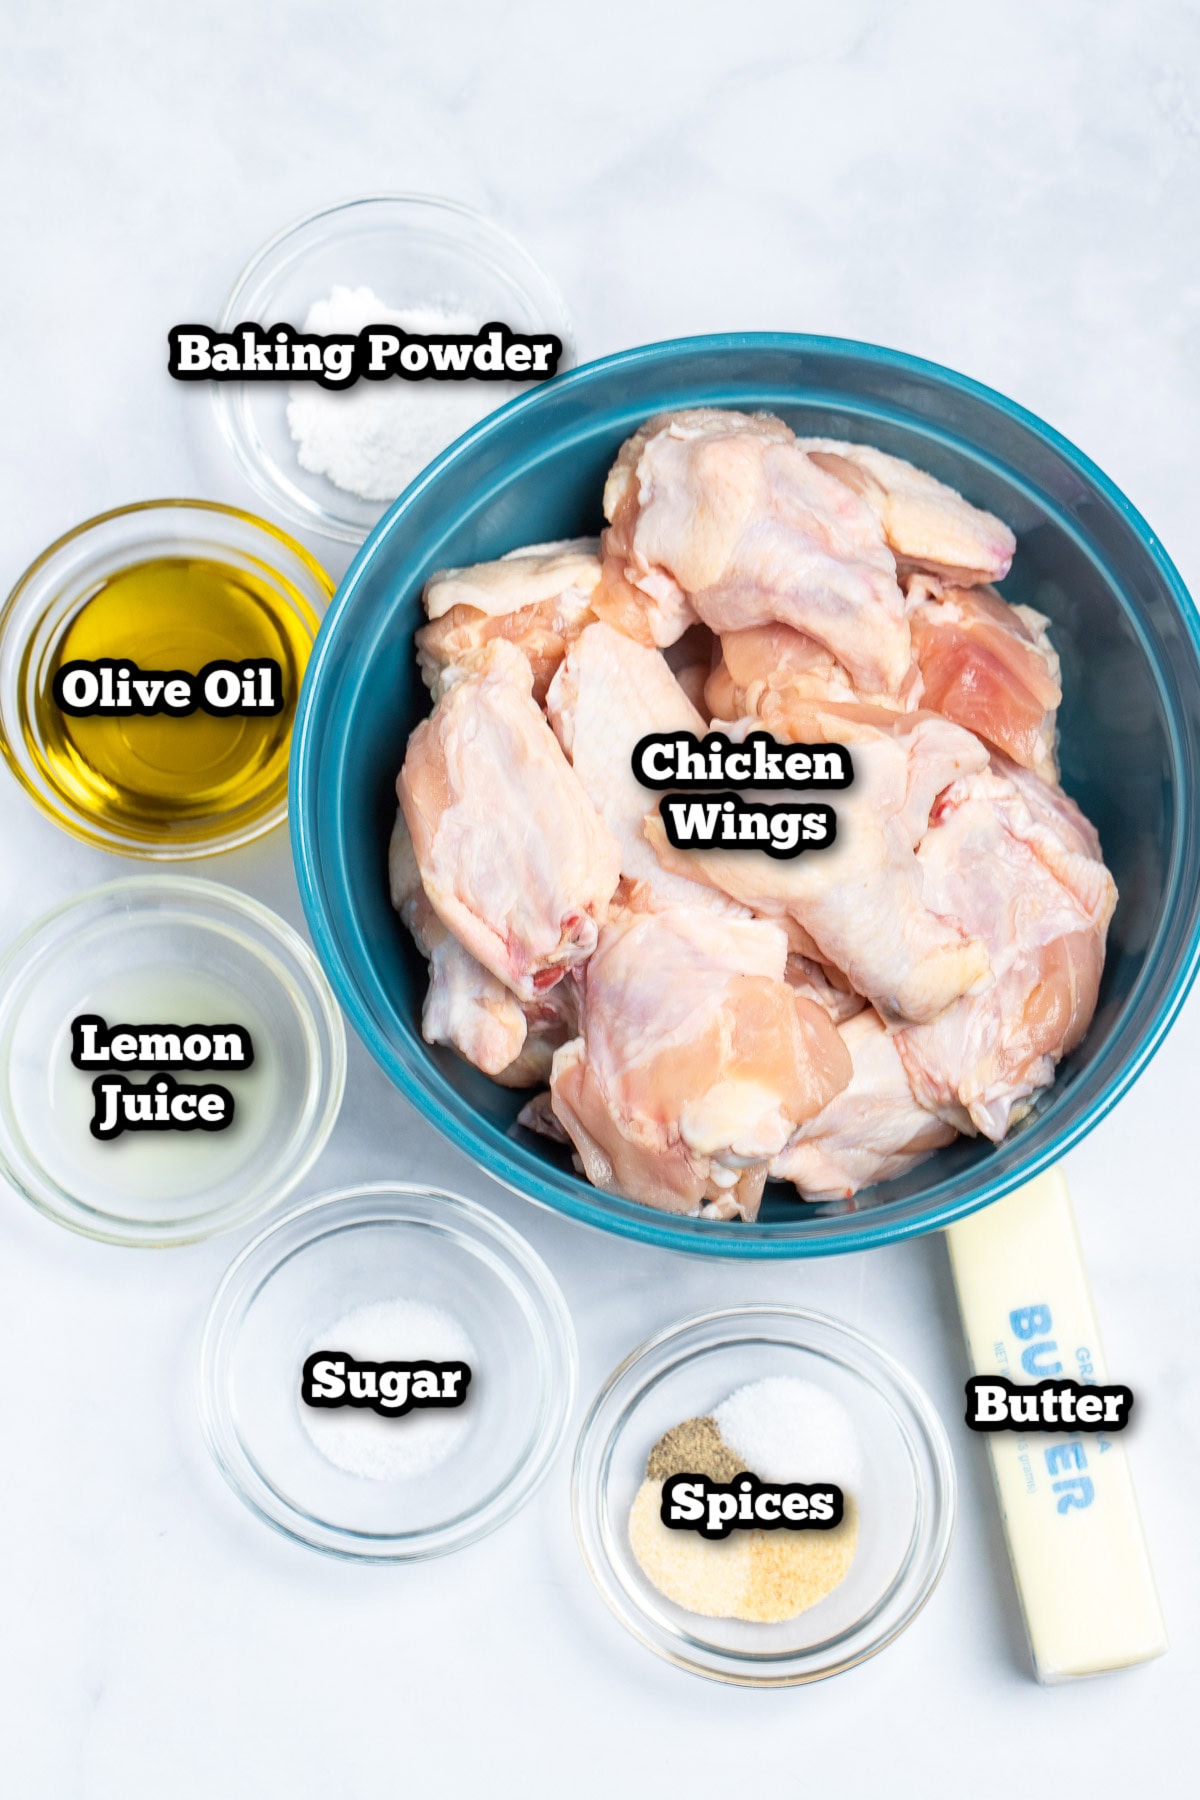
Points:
(785, 1429)
(361, 1441)
(372, 439)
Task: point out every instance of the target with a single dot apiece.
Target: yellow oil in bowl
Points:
(155, 770)
(155, 595)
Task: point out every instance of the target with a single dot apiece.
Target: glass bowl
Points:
(296, 1284)
(1122, 621)
(156, 951)
(905, 1498)
(183, 812)
(413, 251)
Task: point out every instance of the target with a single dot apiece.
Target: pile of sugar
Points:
(373, 438)
(361, 1441)
(782, 1429)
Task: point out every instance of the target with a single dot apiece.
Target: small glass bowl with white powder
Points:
(387, 1274)
(791, 1396)
(334, 461)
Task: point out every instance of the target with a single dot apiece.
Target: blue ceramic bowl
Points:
(1122, 620)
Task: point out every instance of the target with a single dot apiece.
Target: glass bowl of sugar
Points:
(386, 1373)
(335, 460)
(748, 1403)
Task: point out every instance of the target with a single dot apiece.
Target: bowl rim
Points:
(54, 806)
(395, 1203)
(326, 1072)
(913, 1412)
(260, 472)
(570, 1195)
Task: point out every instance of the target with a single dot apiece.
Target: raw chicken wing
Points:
(928, 525)
(538, 598)
(609, 693)
(874, 1130)
(864, 903)
(1019, 865)
(696, 1062)
(722, 516)
(988, 666)
(465, 1006)
(512, 854)
(767, 668)
(518, 579)
(764, 659)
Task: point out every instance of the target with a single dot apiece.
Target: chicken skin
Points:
(769, 660)
(465, 1006)
(513, 856)
(864, 903)
(767, 669)
(928, 525)
(722, 517)
(696, 1061)
(538, 598)
(521, 578)
(609, 692)
(874, 1130)
(988, 666)
(1021, 869)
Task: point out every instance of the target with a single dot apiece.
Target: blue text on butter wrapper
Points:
(1033, 1324)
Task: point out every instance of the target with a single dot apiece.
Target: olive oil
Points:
(157, 777)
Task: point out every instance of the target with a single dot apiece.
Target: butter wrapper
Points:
(1070, 1514)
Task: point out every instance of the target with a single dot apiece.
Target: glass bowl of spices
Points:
(682, 1476)
(386, 1373)
(150, 665)
(174, 1061)
(333, 460)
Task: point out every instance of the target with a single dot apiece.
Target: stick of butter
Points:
(1066, 1498)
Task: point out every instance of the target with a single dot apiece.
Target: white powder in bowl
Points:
(785, 1429)
(373, 438)
(360, 1440)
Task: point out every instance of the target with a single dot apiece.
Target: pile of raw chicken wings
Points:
(693, 1021)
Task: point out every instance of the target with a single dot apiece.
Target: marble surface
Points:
(1007, 189)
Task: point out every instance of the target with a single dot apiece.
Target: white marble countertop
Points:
(1007, 189)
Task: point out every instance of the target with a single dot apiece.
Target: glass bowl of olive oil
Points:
(150, 665)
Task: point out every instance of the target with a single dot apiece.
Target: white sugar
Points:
(362, 1442)
(373, 438)
(785, 1429)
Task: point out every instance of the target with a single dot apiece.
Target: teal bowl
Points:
(1122, 620)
